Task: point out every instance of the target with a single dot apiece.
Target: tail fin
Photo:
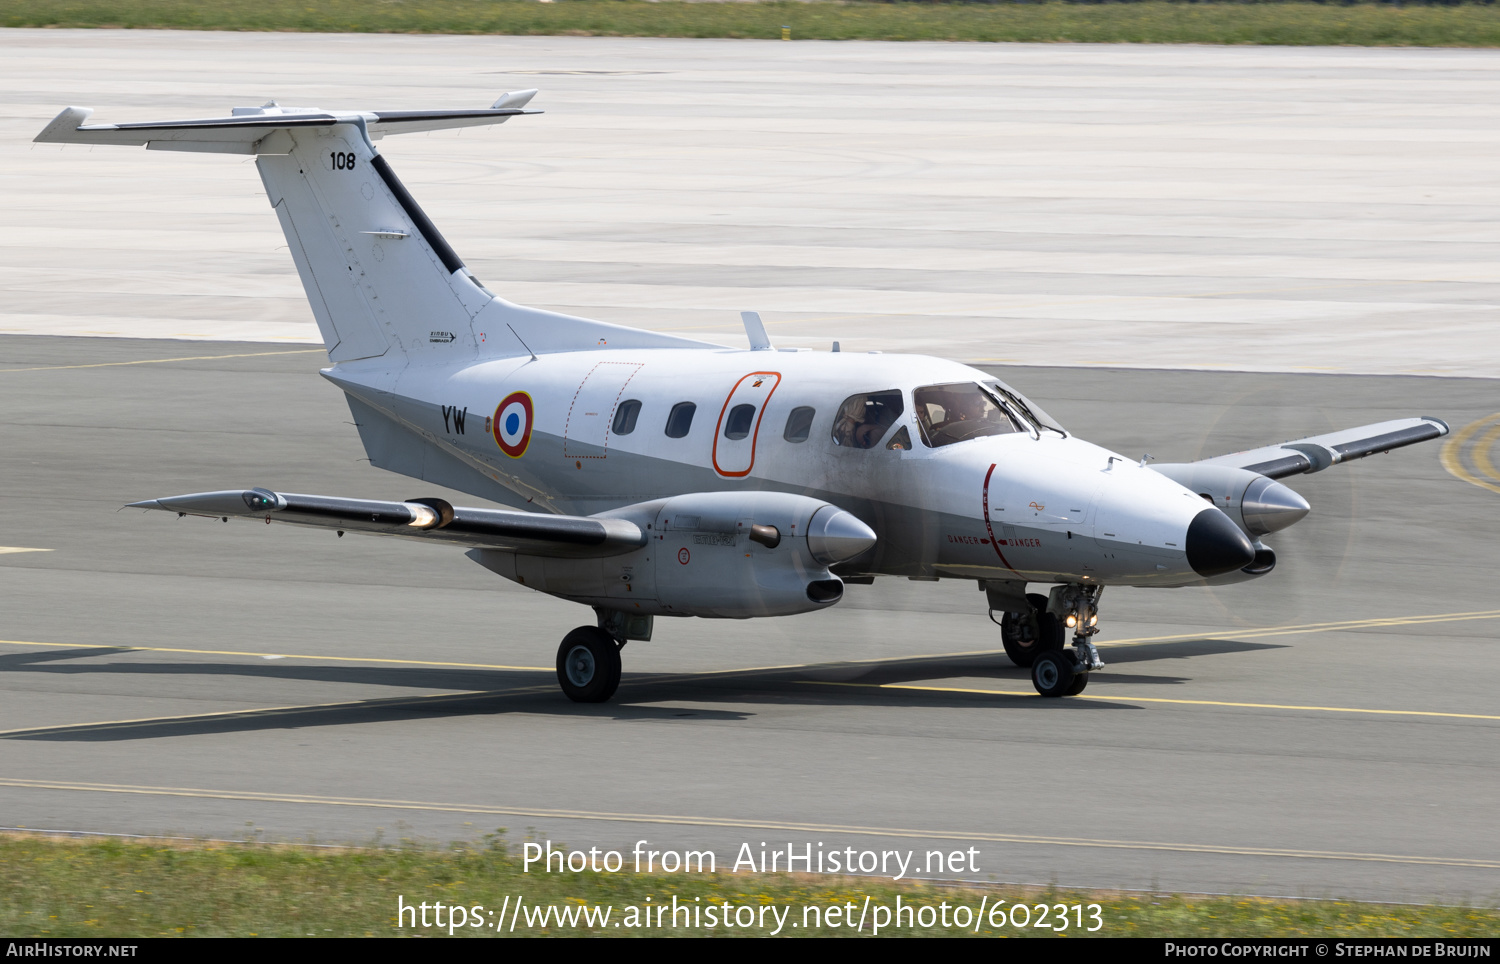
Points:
(379, 276)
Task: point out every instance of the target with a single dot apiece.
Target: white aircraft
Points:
(650, 475)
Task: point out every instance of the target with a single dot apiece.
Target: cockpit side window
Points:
(961, 411)
(862, 420)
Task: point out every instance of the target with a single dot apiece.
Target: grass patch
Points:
(113, 888)
(1147, 22)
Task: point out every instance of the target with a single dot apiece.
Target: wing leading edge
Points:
(1317, 452)
(432, 520)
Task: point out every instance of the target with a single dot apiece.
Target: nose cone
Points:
(1269, 506)
(834, 535)
(1215, 545)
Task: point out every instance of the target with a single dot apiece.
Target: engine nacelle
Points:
(1261, 565)
(1258, 505)
(729, 555)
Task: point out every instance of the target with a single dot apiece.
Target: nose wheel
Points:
(1057, 670)
(588, 665)
(1057, 673)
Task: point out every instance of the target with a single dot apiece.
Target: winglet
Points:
(514, 99)
(62, 125)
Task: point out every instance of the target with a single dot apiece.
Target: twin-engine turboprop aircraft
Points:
(649, 475)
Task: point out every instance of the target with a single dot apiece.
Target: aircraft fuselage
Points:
(1028, 506)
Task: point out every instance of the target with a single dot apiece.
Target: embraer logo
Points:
(1036, 506)
(442, 337)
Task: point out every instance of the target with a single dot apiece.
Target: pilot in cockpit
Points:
(864, 419)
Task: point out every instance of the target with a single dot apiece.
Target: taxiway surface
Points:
(1255, 208)
(1330, 729)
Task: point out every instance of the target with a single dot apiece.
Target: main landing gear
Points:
(588, 661)
(1029, 634)
(1035, 639)
(588, 665)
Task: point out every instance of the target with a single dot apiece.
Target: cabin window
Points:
(863, 419)
(680, 419)
(737, 425)
(799, 424)
(959, 412)
(625, 417)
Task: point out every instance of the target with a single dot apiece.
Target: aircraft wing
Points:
(1318, 452)
(431, 520)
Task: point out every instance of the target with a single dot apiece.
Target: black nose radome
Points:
(1215, 545)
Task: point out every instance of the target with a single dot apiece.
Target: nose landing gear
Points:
(1056, 671)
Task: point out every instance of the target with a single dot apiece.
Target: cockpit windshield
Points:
(965, 410)
(959, 412)
(1027, 409)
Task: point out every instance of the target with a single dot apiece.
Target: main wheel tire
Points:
(1024, 635)
(1050, 632)
(1053, 673)
(588, 665)
(1018, 634)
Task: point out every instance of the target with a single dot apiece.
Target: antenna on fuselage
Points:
(523, 342)
(835, 346)
(755, 330)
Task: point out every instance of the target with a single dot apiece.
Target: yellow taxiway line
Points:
(1342, 625)
(1154, 699)
(259, 711)
(1453, 449)
(159, 361)
(741, 824)
(1247, 633)
(272, 656)
(1333, 627)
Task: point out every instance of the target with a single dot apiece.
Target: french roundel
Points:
(513, 424)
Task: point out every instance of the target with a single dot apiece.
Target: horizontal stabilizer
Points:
(254, 130)
(1318, 452)
(432, 520)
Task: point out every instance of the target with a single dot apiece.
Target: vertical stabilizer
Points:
(381, 280)
(379, 276)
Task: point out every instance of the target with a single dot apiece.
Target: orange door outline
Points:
(755, 432)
